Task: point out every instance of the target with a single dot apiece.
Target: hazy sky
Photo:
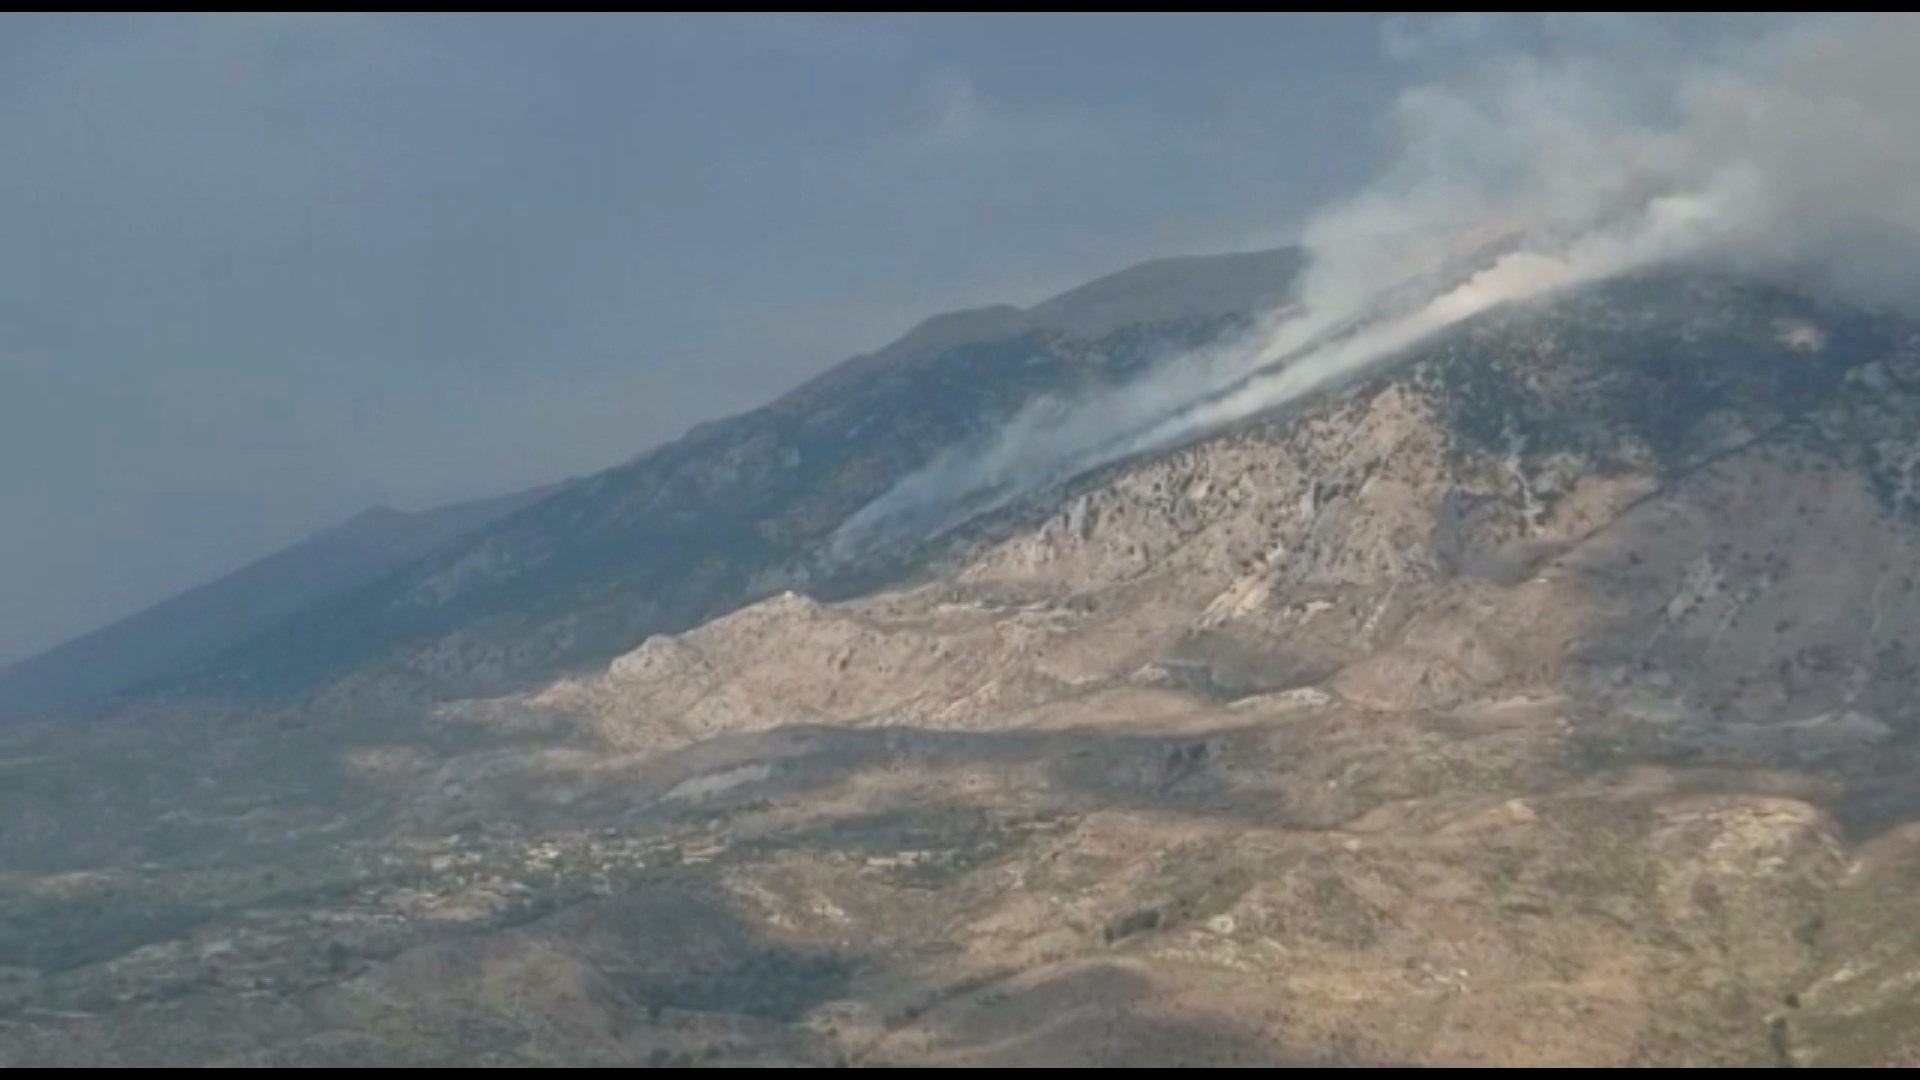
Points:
(257, 273)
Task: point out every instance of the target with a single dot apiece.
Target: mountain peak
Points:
(1179, 287)
(1156, 292)
(959, 327)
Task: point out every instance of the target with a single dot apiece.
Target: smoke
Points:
(1791, 150)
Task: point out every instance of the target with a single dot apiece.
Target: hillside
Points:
(1544, 699)
(731, 512)
(177, 636)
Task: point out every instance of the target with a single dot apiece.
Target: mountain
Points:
(176, 636)
(604, 562)
(1542, 697)
(732, 512)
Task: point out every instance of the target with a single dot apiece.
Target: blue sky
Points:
(257, 273)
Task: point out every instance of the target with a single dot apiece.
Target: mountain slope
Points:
(1544, 699)
(731, 512)
(176, 636)
(1547, 701)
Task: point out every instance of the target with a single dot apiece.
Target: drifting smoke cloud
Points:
(1528, 177)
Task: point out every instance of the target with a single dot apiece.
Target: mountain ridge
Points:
(1172, 287)
(690, 528)
(84, 669)
(198, 625)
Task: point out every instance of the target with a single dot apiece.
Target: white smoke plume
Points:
(1523, 177)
